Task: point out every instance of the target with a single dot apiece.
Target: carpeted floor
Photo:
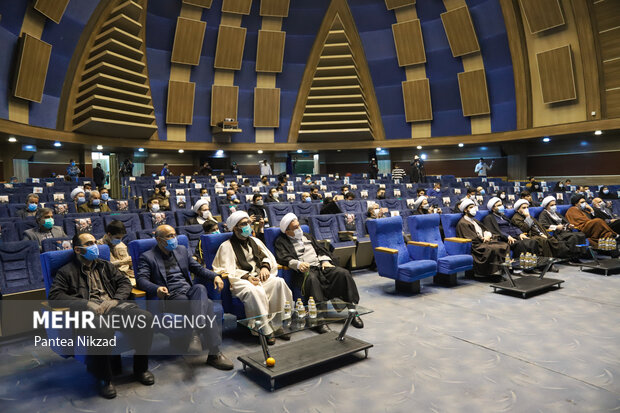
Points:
(445, 350)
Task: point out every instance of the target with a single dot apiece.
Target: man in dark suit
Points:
(606, 214)
(164, 272)
(88, 283)
(312, 267)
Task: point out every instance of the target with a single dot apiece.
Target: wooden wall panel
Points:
(274, 8)
(557, 77)
(606, 13)
(611, 70)
(613, 104)
(417, 97)
(224, 103)
(270, 51)
(409, 43)
(266, 107)
(52, 9)
(460, 31)
(237, 6)
(180, 107)
(395, 4)
(199, 3)
(610, 43)
(188, 39)
(229, 50)
(542, 15)
(474, 93)
(31, 71)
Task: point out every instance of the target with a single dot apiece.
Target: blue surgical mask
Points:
(582, 205)
(96, 201)
(92, 253)
(105, 196)
(233, 197)
(246, 231)
(308, 199)
(48, 223)
(115, 241)
(482, 192)
(81, 199)
(72, 163)
(605, 191)
(172, 244)
(501, 209)
(32, 207)
(217, 231)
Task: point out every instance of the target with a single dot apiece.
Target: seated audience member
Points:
(246, 183)
(420, 192)
(209, 227)
(488, 251)
(506, 231)
(398, 173)
(152, 205)
(308, 181)
(32, 203)
(533, 185)
(344, 190)
(230, 199)
(88, 283)
(313, 268)
(264, 182)
(526, 195)
(561, 186)
(421, 206)
(314, 194)
(78, 197)
(606, 194)
(253, 274)
(471, 195)
(330, 205)
(94, 204)
(204, 193)
(562, 230)
(282, 178)
(349, 196)
(374, 211)
(305, 197)
(165, 271)
(105, 195)
(605, 213)
(220, 184)
(480, 191)
(163, 196)
(273, 195)
(257, 208)
(381, 193)
(581, 215)
(201, 209)
(234, 186)
(113, 238)
(45, 227)
(87, 188)
(435, 190)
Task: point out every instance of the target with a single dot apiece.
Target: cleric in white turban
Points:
(253, 274)
(201, 209)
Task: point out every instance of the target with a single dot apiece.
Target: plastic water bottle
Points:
(301, 310)
(507, 259)
(534, 260)
(311, 308)
(528, 260)
(522, 260)
(287, 310)
(614, 244)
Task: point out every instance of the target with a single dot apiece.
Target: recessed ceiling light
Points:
(219, 152)
(299, 151)
(598, 132)
(181, 150)
(260, 151)
(12, 139)
(57, 144)
(423, 156)
(546, 139)
(378, 149)
(419, 147)
(461, 145)
(99, 147)
(140, 149)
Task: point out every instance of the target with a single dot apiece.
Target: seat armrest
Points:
(346, 236)
(422, 244)
(282, 267)
(386, 250)
(459, 240)
(46, 306)
(135, 293)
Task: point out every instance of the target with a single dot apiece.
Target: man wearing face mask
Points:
(163, 196)
(488, 251)
(105, 196)
(72, 170)
(114, 233)
(78, 197)
(45, 227)
(313, 269)
(562, 230)
(94, 204)
(506, 231)
(603, 212)
(253, 274)
(374, 211)
(91, 284)
(306, 197)
(581, 216)
(422, 207)
(273, 196)
(209, 227)
(152, 205)
(526, 195)
(314, 194)
(201, 209)
(606, 194)
(165, 272)
(264, 182)
(231, 199)
(32, 203)
(257, 210)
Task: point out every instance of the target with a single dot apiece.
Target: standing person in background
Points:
(235, 169)
(417, 170)
(72, 170)
(482, 168)
(99, 176)
(398, 173)
(265, 168)
(373, 169)
(206, 169)
(165, 171)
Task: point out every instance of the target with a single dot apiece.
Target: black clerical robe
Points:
(502, 228)
(487, 255)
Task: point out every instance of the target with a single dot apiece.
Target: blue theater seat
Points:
(147, 219)
(20, 268)
(275, 212)
(354, 224)
(305, 209)
(270, 237)
(54, 244)
(131, 221)
(406, 264)
(193, 233)
(325, 227)
(97, 227)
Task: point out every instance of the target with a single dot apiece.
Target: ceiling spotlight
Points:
(598, 132)
(546, 139)
(461, 145)
(378, 149)
(57, 144)
(12, 139)
(181, 150)
(140, 149)
(299, 151)
(99, 147)
(423, 156)
(419, 147)
(260, 151)
(219, 152)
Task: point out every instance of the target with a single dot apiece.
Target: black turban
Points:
(574, 200)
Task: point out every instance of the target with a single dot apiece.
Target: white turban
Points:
(286, 221)
(76, 191)
(521, 202)
(234, 219)
(492, 203)
(465, 202)
(546, 201)
(199, 203)
(418, 202)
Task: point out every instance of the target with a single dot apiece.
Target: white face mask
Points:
(206, 214)
(299, 234)
(473, 211)
(376, 211)
(154, 207)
